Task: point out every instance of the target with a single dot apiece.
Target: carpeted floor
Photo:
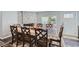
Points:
(67, 43)
(71, 43)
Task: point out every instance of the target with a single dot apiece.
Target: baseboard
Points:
(5, 37)
(71, 35)
(74, 37)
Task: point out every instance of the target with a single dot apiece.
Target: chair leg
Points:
(31, 44)
(60, 44)
(17, 43)
(23, 43)
(12, 40)
(50, 43)
(36, 42)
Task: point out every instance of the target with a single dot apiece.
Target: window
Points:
(48, 20)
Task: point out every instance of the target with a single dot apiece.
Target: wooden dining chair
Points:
(41, 37)
(26, 35)
(57, 41)
(13, 30)
(49, 25)
(30, 25)
(39, 25)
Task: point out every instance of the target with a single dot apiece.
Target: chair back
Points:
(49, 25)
(61, 32)
(29, 25)
(13, 30)
(42, 35)
(25, 31)
(39, 25)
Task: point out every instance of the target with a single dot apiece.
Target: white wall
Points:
(8, 18)
(29, 17)
(11, 17)
(0, 24)
(20, 21)
(78, 17)
(70, 24)
(49, 13)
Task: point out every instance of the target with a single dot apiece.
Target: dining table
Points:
(52, 32)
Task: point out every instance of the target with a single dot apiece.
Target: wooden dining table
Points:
(50, 33)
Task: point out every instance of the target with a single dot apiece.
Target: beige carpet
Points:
(1, 43)
(14, 45)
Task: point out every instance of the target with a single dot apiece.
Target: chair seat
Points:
(53, 37)
(55, 45)
(29, 38)
(56, 40)
(41, 43)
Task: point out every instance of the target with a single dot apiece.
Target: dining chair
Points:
(49, 25)
(13, 30)
(41, 37)
(26, 36)
(30, 25)
(39, 25)
(57, 40)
